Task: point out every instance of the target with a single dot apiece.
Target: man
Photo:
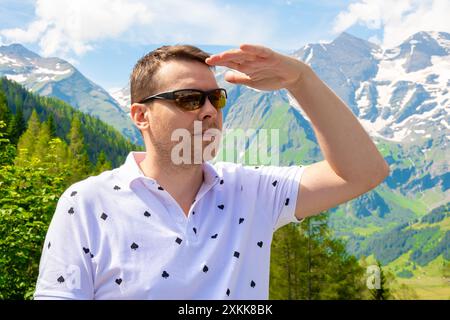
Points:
(159, 229)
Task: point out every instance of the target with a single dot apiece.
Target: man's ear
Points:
(138, 113)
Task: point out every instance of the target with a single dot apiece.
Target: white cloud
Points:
(65, 27)
(398, 19)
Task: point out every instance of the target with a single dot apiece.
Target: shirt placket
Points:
(185, 224)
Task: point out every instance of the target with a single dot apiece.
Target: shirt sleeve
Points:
(65, 269)
(277, 192)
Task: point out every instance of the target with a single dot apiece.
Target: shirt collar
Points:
(130, 171)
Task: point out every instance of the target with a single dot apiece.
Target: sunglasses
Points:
(191, 99)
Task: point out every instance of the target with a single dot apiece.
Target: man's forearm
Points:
(345, 144)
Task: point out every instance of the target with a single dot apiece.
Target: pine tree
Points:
(5, 113)
(382, 293)
(102, 163)
(51, 125)
(80, 165)
(17, 125)
(306, 263)
(57, 158)
(27, 142)
(287, 274)
(42, 141)
(18, 101)
(7, 150)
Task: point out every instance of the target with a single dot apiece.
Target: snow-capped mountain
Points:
(399, 94)
(27, 68)
(58, 78)
(122, 96)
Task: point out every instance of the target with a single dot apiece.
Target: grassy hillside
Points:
(417, 254)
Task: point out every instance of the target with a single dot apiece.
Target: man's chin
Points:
(194, 152)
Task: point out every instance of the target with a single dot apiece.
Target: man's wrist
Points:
(304, 71)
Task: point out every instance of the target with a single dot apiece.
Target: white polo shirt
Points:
(119, 235)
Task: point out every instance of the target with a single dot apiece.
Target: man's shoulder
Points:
(227, 168)
(93, 186)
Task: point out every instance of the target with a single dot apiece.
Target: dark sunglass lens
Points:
(218, 99)
(188, 100)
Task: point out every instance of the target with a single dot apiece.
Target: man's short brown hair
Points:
(142, 79)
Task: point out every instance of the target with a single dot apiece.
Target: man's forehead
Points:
(186, 74)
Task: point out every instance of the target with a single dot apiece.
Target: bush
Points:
(28, 198)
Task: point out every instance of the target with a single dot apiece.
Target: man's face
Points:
(165, 117)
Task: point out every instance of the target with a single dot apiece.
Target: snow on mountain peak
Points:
(395, 92)
(121, 95)
(24, 66)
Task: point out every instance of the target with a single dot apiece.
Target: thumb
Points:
(237, 77)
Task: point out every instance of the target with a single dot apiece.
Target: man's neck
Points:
(181, 181)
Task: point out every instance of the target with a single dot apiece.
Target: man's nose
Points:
(207, 110)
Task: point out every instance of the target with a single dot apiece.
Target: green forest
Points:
(46, 145)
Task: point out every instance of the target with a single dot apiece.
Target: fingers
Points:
(248, 68)
(257, 50)
(246, 62)
(248, 53)
(241, 65)
(237, 77)
(233, 65)
(232, 55)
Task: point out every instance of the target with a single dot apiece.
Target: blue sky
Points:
(104, 38)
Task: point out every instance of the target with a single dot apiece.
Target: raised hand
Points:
(259, 67)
